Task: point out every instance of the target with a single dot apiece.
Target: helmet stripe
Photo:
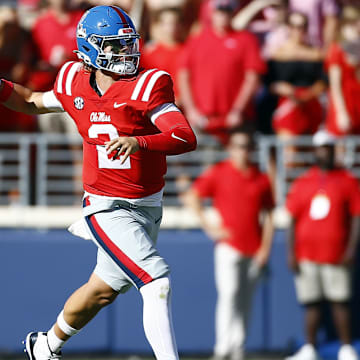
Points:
(151, 84)
(140, 84)
(122, 17)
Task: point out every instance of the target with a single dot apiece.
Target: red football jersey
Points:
(121, 111)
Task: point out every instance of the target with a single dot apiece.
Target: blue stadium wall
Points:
(40, 269)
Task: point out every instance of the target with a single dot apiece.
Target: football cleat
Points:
(37, 347)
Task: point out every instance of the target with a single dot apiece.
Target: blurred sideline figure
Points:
(343, 63)
(324, 204)
(54, 34)
(219, 74)
(166, 44)
(296, 76)
(16, 51)
(129, 123)
(240, 192)
(322, 20)
(15, 64)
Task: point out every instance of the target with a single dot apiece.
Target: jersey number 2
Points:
(104, 162)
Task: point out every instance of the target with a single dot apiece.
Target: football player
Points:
(129, 123)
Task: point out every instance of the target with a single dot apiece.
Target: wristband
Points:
(6, 91)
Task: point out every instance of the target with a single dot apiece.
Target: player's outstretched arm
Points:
(19, 98)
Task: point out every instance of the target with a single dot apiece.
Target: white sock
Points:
(55, 344)
(157, 319)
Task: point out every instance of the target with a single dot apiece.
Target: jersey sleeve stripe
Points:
(51, 102)
(140, 83)
(70, 76)
(61, 76)
(151, 84)
(161, 110)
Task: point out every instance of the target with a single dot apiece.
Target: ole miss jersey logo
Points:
(100, 117)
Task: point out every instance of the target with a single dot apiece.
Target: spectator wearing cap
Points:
(219, 74)
(240, 193)
(324, 205)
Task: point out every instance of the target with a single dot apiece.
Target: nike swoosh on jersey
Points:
(178, 138)
(116, 105)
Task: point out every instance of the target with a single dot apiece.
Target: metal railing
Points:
(44, 169)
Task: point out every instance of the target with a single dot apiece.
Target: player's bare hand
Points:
(348, 258)
(196, 119)
(261, 257)
(343, 121)
(124, 146)
(283, 88)
(234, 118)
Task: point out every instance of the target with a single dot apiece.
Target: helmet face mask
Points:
(107, 40)
(117, 54)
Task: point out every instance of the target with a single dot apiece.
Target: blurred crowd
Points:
(284, 67)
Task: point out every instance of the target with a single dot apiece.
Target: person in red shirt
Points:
(164, 50)
(219, 74)
(343, 63)
(54, 36)
(239, 192)
(129, 123)
(15, 64)
(324, 205)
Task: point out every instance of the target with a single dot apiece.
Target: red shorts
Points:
(297, 118)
